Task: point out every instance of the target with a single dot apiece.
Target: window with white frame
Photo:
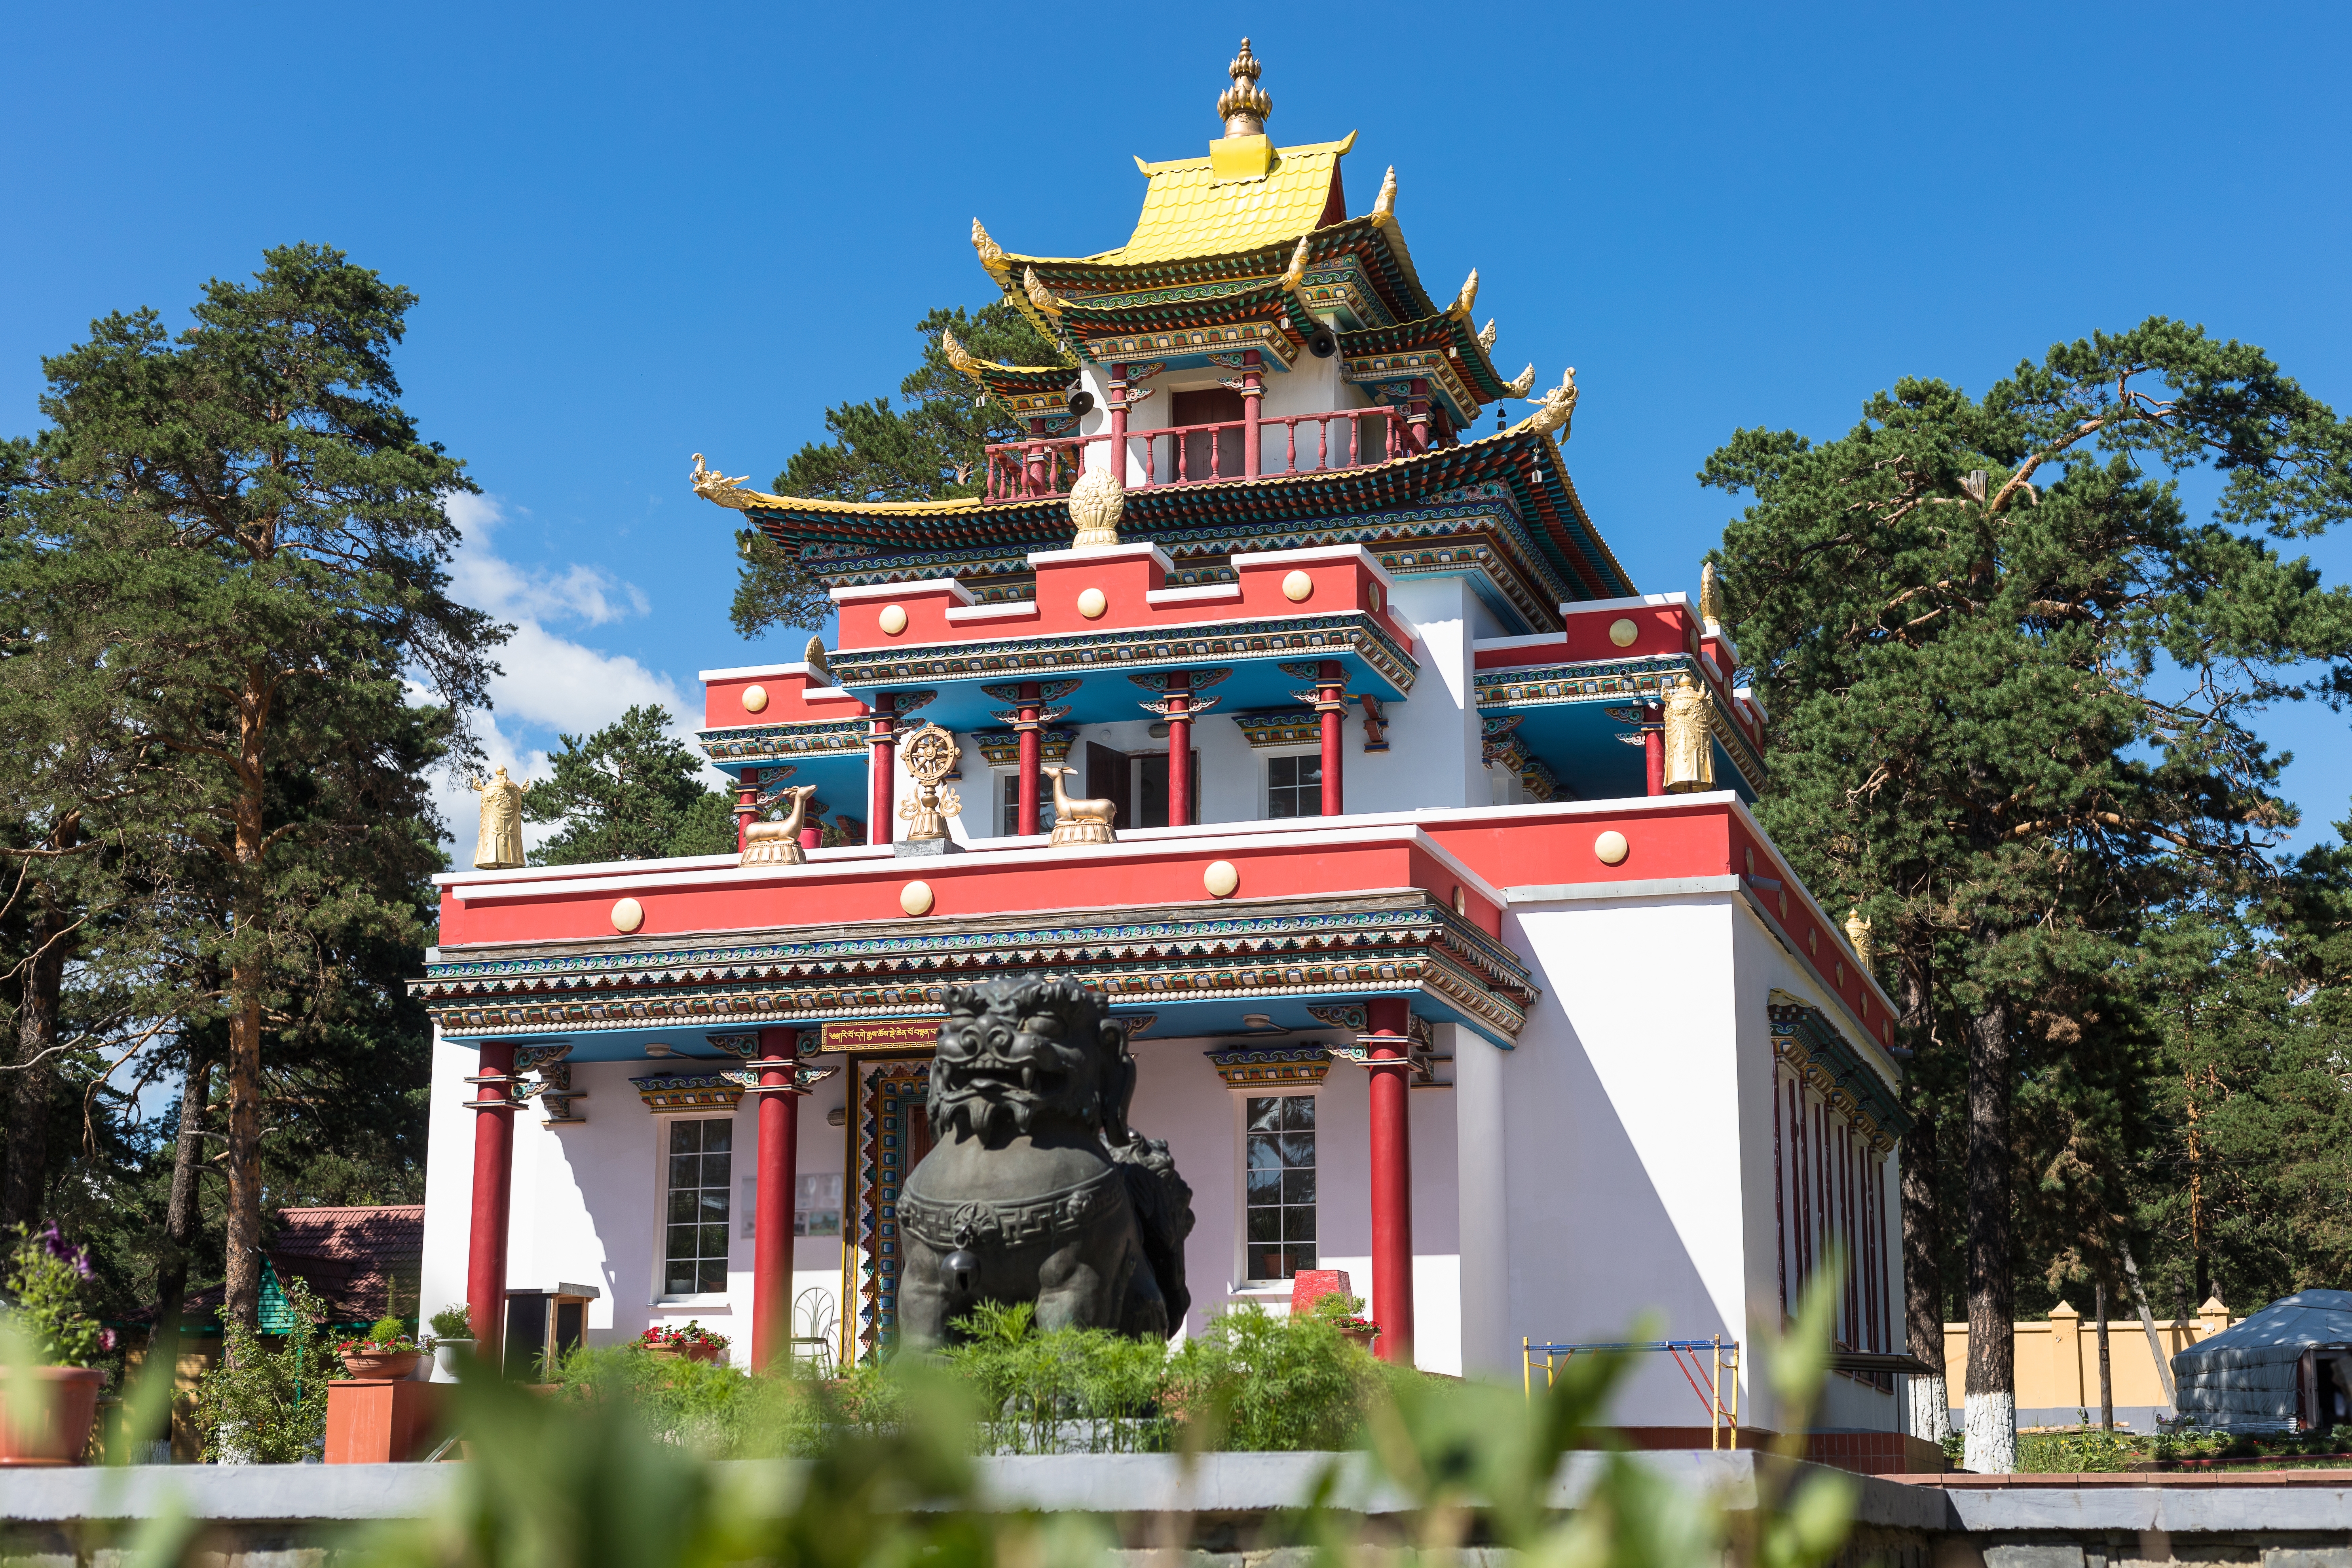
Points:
(1280, 1176)
(1008, 811)
(1294, 785)
(694, 1239)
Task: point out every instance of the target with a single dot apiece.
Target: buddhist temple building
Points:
(1275, 683)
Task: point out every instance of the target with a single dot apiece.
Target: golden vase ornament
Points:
(1096, 502)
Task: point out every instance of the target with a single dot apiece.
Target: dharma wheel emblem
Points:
(930, 754)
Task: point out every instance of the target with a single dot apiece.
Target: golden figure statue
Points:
(1690, 745)
(499, 845)
(779, 843)
(1079, 821)
(930, 754)
(1559, 406)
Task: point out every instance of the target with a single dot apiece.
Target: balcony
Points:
(1202, 454)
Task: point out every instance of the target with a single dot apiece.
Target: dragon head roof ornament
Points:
(715, 487)
(1244, 105)
(1555, 408)
(1296, 270)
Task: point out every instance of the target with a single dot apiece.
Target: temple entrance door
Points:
(889, 1134)
(1110, 775)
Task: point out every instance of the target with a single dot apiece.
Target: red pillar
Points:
(486, 1242)
(1180, 741)
(746, 806)
(1391, 1179)
(1029, 725)
(772, 1214)
(1417, 421)
(881, 752)
(1035, 480)
(1332, 708)
(1253, 389)
(1653, 746)
(811, 827)
(1118, 400)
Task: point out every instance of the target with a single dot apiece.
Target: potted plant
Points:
(1345, 1313)
(46, 1337)
(386, 1355)
(453, 1340)
(692, 1342)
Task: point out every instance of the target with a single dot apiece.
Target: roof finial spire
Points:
(1244, 105)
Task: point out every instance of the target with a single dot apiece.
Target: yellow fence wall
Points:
(2058, 1361)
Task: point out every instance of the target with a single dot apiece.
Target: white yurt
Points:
(2288, 1365)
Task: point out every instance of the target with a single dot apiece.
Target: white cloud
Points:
(551, 685)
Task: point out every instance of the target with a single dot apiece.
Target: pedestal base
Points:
(925, 847)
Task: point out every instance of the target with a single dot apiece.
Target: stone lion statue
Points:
(1035, 1188)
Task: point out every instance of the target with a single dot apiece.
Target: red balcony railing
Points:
(1196, 453)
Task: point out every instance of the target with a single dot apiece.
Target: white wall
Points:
(1433, 740)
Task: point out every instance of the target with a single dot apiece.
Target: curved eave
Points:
(1445, 329)
(1267, 300)
(1528, 464)
(1026, 380)
(1374, 236)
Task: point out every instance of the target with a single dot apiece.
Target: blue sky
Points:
(642, 232)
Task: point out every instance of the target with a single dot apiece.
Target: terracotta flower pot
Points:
(1360, 1338)
(385, 1366)
(692, 1351)
(60, 1433)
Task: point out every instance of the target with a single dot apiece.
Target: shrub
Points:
(453, 1323)
(265, 1406)
(48, 1282)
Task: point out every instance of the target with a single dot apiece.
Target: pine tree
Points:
(241, 533)
(2014, 685)
(928, 450)
(629, 792)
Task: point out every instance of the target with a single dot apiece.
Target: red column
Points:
(1253, 389)
(1029, 725)
(1332, 708)
(1180, 737)
(1653, 746)
(1417, 422)
(1392, 1180)
(746, 806)
(881, 751)
(486, 1242)
(1033, 471)
(812, 826)
(1116, 397)
(772, 1214)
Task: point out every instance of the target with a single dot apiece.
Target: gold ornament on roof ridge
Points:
(715, 487)
(991, 255)
(960, 357)
(1522, 384)
(1045, 299)
(1710, 601)
(814, 658)
(1468, 296)
(1244, 105)
(1296, 271)
(1487, 336)
(1384, 204)
(929, 755)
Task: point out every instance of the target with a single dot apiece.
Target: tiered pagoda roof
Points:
(1248, 248)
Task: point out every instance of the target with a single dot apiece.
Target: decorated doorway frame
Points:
(886, 1139)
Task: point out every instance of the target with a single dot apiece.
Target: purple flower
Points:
(57, 1247)
(106, 1339)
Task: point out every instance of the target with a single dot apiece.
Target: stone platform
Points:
(291, 1516)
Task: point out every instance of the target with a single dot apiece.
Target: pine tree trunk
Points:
(1992, 1402)
(242, 1270)
(36, 1032)
(1922, 1281)
(2106, 1375)
(181, 1218)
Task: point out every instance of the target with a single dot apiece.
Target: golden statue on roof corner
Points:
(499, 846)
(1559, 405)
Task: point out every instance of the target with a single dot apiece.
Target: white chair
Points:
(813, 1318)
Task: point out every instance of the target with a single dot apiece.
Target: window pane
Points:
(681, 1206)
(713, 1205)
(1266, 1151)
(1282, 771)
(685, 1173)
(1264, 1186)
(1297, 1224)
(1298, 1148)
(1265, 1115)
(1299, 1258)
(1265, 1224)
(718, 1136)
(1299, 1186)
(686, 1137)
(1298, 1110)
(714, 1242)
(713, 1279)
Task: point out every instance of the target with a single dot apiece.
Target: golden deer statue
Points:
(779, 843)
(1079, 821)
